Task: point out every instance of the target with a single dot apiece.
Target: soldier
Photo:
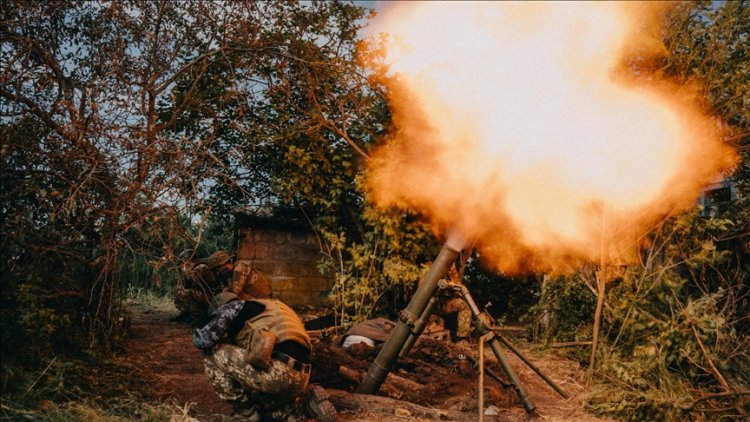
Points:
(201, 280)
(249, 281)
(451, 306)
(257, 356)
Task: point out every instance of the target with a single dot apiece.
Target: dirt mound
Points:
(436, 381)
(436, 373)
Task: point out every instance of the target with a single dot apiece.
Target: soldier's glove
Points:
(260, 348)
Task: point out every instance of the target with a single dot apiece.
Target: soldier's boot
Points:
(317, 405)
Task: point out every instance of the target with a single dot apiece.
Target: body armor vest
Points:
(279, 319)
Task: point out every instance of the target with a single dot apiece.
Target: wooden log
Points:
(351, 402)
(356, 377)
(350, 374)
(395, 380)
(394, 385)
(403, 383)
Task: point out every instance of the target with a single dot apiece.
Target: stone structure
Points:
(286, 250)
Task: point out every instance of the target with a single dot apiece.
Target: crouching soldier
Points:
(201, 280)
(257, 356)
(453, 310)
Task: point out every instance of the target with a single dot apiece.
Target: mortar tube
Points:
(418, 328)
(385, 360)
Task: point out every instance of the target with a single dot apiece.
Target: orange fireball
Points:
(517, 124)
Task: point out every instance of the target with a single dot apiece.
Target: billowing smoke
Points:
(519, 124)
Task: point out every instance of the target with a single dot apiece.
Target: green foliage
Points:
(677, 332)
(155, 270)
(139, 273)
(675, 336)
(147, 296)
(674, 329)
(130, 131)
(564, 311)
(81, 390)
(510, 297)
(674, 319)
(115, 411)
(92, 411)
(653, 405)
(41, 318)
(377, 269)
(708, 45)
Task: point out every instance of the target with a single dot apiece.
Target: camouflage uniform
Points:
(210, 334)
(190, 302)
(451, 303)
(237, 382)
(275, 389)
(457, 306)
(249, 282)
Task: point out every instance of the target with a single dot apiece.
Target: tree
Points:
(119, 118)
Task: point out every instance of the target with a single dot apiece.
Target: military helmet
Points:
(220, 300)
(217, 259)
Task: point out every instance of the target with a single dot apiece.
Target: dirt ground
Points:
(436, 381)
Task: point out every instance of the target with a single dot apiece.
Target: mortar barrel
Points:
(385, 360)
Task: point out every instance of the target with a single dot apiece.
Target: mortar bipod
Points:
(412, 321)
(482, 328)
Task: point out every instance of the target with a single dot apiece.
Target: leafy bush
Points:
(677, 326)
(509, 297)
(376, 272)
(564, 311)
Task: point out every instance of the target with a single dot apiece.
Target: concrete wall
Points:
(289, 260)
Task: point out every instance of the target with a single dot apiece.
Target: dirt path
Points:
(162, 352)
(171, 369)
(567, 374)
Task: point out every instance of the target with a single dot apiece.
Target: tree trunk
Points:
(601, 281)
